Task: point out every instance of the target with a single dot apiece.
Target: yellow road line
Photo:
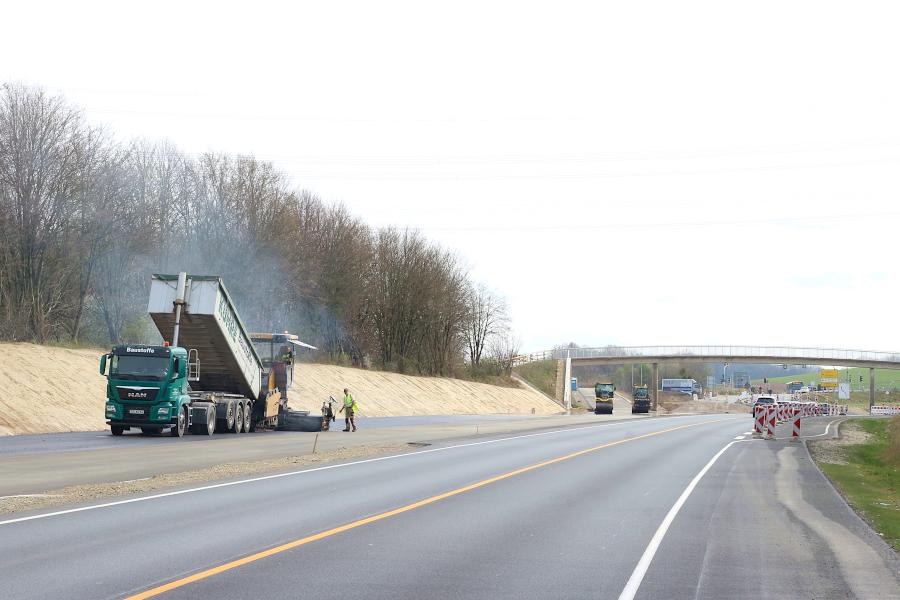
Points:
(391, 513)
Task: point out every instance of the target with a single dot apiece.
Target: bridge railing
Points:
(779, 352)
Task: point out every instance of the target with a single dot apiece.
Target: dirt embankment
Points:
(50, 389)
(382, 394)
(45, 388)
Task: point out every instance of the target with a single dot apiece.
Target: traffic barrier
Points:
(770, 422)
(795, 433)
(885, 410)
(759, 419)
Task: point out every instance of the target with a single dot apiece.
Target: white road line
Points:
(805, 437)
(740, 437)
(301, 472)
(637, 576)
(827, 427)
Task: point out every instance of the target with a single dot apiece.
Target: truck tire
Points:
(248, 417)
(238, 419)
(206, 424)
(225, 425)
(117, 429)
(180, 426)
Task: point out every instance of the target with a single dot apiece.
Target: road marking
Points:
(637, 576)
(740, 437)
(312, 470)
(827, 427)
(391, 513)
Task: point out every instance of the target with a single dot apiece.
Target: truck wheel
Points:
(179, 428)
(229, 416)
(248, 417)
(209, 427)
(238, 419)
(117, 429)
(212, 423)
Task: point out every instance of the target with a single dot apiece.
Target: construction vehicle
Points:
(213, 376)
(603, 403)
(640, 399)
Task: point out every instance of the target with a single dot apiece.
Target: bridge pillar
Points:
(871, 388)
(654, 379)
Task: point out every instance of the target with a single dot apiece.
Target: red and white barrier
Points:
(885, 410)
(795, 433)
(759, 420)
(770, 421)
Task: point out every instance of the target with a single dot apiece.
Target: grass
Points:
(884, 378)
(541, 374)
(871, 478)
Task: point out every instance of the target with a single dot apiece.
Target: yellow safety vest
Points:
(349, 402)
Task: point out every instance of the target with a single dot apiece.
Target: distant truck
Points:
(682, 386)
(793, 387)
(603, 401)
(640, 399)
(210, 378)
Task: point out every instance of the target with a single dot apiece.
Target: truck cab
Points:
(641, 399)
(603, 402)
(147, 388)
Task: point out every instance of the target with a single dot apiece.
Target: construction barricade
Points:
(770, 421)
(759, 420)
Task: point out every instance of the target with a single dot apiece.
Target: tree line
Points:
(85, 220)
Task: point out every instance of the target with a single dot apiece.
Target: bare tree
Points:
(84, 221)
(486, 317)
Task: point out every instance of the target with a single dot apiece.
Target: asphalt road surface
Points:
(679, 507)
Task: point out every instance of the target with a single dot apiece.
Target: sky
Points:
(634, 173)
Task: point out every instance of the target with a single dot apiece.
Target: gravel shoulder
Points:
(834, 451)
(168, 481)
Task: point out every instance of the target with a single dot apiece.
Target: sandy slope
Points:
(44, 388)
(381, 394)
(49, 389)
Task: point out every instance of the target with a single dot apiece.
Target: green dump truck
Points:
(603, 401)
(640, 399)
(211, 376)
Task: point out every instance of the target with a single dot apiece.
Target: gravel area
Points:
(90, 492)
(835, 451)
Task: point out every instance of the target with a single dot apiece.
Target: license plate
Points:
(136, 411)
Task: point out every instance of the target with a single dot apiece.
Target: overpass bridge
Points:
(654, 355)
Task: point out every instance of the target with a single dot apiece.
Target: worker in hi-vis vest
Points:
(349, 409)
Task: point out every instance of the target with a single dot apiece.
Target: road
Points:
(510, 516)
(39, 463)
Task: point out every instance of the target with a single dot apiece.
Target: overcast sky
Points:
(622, 172)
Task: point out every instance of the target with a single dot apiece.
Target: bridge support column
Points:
(567, 391)
(871, 388)
(654, 389)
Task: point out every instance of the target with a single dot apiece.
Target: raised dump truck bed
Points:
(210, 325)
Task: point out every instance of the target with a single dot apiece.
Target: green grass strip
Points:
(871, 479)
